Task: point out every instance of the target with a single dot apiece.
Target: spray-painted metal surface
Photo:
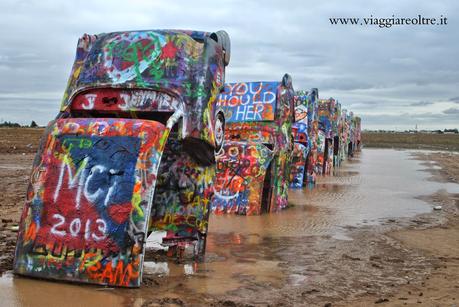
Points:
(118, 101)
(320, 159)
(326, 108)
(259, 112)
(249, 101)
(326, 115)
(242, 168)
(186, 65)
(301, 139)
(298, 166)
(313, 133)
(346, 119)
(342, 135)
(350, 134)
(87, 206)
(345, 133)
(182, 196)
(331, 134)
(337, 131)
(138, 113)
(357, 133)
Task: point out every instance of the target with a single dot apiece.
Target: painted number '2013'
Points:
(97, 232)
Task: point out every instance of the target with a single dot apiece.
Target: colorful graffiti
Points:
(326, 116)
(300, 126)
(298, 165)
(313, 132)
(167, 61)
(357, 133)
(329, 156)
(182, 198)
(271, 128)
(248, 101)
(331, 133)
(320, 162)
(92, 191)
(118, 101)
(85, 218)
(241, 171)
(326, 107)
(133, 150)
(302, 141)
(337, 129)
(344, 134)
(351, 131)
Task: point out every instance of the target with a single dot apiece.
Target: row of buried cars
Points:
(276, 138)
(150, 139)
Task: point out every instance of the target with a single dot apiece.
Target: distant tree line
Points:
(455, 131)
(9, 124)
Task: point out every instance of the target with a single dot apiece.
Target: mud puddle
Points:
(256, 258)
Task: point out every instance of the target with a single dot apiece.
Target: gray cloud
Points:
(368, 69)
(410, 120)
(452, 111)
(421, 104)
(346, 84)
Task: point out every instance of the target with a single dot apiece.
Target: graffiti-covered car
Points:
(344, 134)
(357, 133)
(337, 130)
(302, 141)
(253, 164)
(326, 115)
(312, 169)
(131, 150)
(350, 133)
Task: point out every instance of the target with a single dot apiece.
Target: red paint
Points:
(120, 212)
(168, 51)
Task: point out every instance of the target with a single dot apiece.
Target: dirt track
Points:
(403, 262)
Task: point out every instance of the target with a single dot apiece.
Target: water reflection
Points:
(254, 252)
(18, 291)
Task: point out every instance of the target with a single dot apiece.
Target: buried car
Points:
(312, 169)
(350, 134)
(358, 133)
(337, 130)
(344, 135)
(326, 115)
(131, 151)
(302, 141)
(253, 163)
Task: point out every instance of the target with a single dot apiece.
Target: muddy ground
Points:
(426, 248)
(420, 140)
(401, 262)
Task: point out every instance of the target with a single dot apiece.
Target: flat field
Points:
(411, 140)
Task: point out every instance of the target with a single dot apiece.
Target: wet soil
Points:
(368, 235)
(14, 175)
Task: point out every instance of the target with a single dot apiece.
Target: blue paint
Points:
(249, 101)
(109, 172)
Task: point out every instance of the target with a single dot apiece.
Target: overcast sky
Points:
(393, 78)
